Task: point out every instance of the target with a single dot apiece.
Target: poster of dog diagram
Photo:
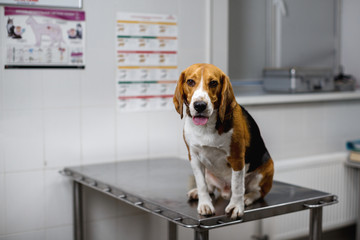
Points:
(43, 38)
(45, 3)
(146, 61)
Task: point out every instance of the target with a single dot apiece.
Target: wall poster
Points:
(45, 3)
(43, 38)
(146, 61)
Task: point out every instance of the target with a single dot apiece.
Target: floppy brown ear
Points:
(228, 102)
(179, 95)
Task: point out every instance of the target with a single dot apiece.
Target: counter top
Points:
(286, 98)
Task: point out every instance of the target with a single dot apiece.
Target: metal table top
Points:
(159, 186)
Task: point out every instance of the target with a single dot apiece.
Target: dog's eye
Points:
(213, 84)
(190, 82)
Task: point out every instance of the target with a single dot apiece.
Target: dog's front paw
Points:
(236, 209)
(205, 208)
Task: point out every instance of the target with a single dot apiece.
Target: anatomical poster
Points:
(146, 61)
(45, 3)
(43, 38)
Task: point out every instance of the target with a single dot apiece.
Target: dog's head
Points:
(204, 89)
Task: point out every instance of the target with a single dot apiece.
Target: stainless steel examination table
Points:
(159, 186)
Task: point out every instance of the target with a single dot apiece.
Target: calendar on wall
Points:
(146, 61)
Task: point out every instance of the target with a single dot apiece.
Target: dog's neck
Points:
(226, 125)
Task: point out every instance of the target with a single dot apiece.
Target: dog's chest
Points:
(210, 147)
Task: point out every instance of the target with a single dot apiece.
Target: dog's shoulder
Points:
(256, 153)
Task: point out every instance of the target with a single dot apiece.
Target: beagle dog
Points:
(225, 148)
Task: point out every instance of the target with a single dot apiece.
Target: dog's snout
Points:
(200, 106)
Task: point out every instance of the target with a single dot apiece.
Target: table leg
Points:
(172, 231)
(358, 217)
(315, 223)
(78, 212)
(201, 234)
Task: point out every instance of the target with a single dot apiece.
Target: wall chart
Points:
(146, 61)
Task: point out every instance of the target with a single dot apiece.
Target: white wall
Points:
(55, 118)
(350, 36)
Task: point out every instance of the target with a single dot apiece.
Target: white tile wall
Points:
(1, 84)
(97, 83)
(22, 89)
(33, 235)
(24, 201)
(103, 229)
(294, 130)
(98, 130)
(124, 210)
(112, 228)
(61, 88)
(97, 206)
(297, 130)
(270, 122)
(58, 199)
(129, 227)
(342, 124)
(2, 141)
(59, 233)
(132, 135)
(316, 129)
(23, 140)
(185, 233)
(157, 228)
(244, 231)
(62, 137)
(163, 131)
(2, 204)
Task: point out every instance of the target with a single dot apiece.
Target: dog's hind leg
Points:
(251, 197)
(253, 189)
(266, 182)
(211, 188)
(193, 194)
(260, 183)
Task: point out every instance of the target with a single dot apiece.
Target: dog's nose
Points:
(200, 106)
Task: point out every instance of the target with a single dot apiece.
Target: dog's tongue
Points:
(200, 120)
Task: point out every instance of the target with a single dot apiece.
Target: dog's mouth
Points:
(200, 120)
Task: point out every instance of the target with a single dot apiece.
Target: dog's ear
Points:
(228, 102)
(179, 94)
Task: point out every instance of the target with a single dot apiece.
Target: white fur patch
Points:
(201, 95)
(211, 148)
(208, 150)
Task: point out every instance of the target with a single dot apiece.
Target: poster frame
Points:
(44, 3)
(80, 14)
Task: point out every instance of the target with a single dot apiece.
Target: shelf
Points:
(266, 98)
